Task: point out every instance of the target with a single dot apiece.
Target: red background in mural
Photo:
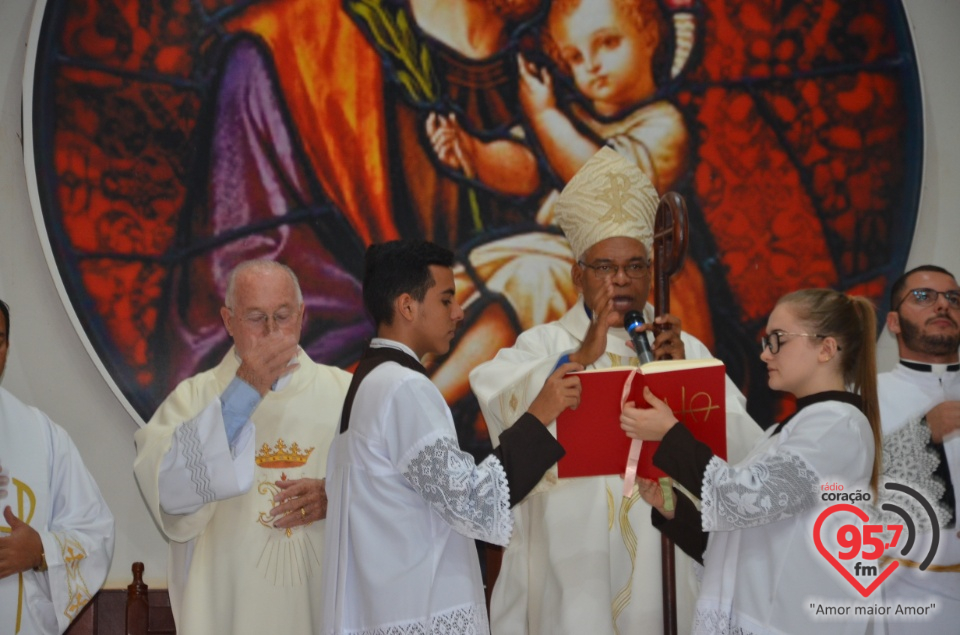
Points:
(805, 158)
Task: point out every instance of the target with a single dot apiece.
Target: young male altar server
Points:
(231, 467)
(920, 415)
(583, 558)
(56, 534)
(406, 503)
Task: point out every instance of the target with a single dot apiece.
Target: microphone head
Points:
(632, 320)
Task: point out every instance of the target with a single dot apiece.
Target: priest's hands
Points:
(558, 394)
(647, 424)
(267, 360)
(300, 502)
(943, 420)
(22, 549)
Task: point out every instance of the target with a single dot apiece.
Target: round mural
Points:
(168, 141)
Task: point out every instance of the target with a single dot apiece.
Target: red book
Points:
(591, 435)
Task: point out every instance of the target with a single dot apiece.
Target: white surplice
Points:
(762, 571)
(582, 558)
(229, 570)
(906, 395)
(406, 504)
(51, 490)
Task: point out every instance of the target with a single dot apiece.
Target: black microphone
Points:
(632, 321)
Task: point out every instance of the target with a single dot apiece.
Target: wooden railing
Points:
(136, 611)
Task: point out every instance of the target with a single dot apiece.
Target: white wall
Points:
(48, 366)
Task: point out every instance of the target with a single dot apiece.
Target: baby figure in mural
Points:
(612, 50)
(616, 52)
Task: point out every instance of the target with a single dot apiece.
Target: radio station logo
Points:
(856, 549)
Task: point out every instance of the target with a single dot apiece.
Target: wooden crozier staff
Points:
(669, 248)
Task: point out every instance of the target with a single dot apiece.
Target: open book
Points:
(591, 435)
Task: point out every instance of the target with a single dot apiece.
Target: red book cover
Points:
(591, 435)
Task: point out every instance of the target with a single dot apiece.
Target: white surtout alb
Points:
(405, 507)
(761, 568)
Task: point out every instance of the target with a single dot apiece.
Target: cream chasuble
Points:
(582, 558)
(52, 491)
(230, 571)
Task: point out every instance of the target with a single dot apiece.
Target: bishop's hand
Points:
(667, 344)
(604, 316)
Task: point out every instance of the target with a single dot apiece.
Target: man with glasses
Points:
(920, 413)
(231, 467)
(583, 559)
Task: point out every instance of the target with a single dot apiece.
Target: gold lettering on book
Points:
(701, 403)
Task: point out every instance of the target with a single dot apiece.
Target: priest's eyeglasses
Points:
(605, 271)
(928, 297)
(773, 340)
(259, 319)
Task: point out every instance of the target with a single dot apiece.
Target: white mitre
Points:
(608, 197)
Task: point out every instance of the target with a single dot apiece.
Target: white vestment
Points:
(762, 571)
(906, 396)
(406, 504)
(230, 570)
(582, 558)
(52, 491)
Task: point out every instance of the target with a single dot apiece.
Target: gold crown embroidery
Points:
(282, 456)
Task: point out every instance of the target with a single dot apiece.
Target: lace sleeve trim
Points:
(770, 489)
(473, 499)
(461, 620)
(909, 459)
(710, 621)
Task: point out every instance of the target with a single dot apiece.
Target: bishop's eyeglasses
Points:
(604, 271)
(928, 297)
